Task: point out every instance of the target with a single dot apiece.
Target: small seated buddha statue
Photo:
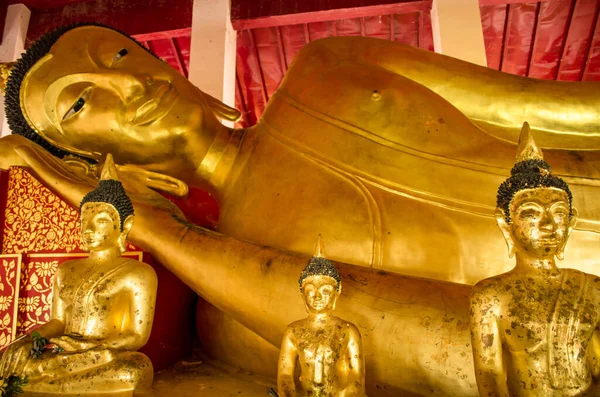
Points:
(328, 348)
(535, 329)
(102, 311)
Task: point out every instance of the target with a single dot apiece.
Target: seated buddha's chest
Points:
(94, 303)
(537, 314)
(320, 351)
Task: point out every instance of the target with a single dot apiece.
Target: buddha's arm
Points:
(141, 290)
(356, 378)
(287, 366)
(487, 346)
(595, 353)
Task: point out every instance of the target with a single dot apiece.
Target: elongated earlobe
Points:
(337, 295)
(127, 225)
(505, 229)
(572, 222)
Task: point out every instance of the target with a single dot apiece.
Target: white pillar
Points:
(457, 30)
(213, 49)
(13, 44)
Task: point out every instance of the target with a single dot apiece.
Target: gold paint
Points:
(102, 312)
(535, 328)
(405, 182)
(328, 349)
(402, 184)
(423, 321)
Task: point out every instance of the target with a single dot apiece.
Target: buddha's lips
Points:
(154, 108)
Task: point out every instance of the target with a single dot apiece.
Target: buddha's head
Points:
(534, 207)
(90, 90)
(320, 284)
(106, 213)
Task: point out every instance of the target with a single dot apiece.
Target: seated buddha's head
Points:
(320, 284)
(106, 213)
(90, 90)
(534, 207)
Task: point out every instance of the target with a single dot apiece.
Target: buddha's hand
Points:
(8, 156)
(73, 345)
(72, 186)
(15, 357)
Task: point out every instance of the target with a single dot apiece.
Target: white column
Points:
(457, 30)
(13, 44)
(213, 49)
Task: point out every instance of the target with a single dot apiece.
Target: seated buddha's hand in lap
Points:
(72, 344)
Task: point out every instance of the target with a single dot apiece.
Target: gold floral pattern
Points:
(45, 269)
(35, 297)
(5, 302)
(36, 219)
(9, 291)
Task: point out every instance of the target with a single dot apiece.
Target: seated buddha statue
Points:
(535, 329)
(328, 349)
(102, 310)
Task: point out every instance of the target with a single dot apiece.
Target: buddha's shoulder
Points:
(494, 286)
(136, 268)
(345, 326)
(570, 273)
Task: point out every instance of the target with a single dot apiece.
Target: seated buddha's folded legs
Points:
(96, 371)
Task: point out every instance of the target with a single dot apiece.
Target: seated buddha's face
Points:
(100, 92)
(100, 226)
(540, 223)
(320, 293)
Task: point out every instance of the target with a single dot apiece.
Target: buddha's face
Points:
(100, 226)
(319, 293)
(540, 224)
(100, 92)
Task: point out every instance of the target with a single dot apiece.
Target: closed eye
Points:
(77, 106)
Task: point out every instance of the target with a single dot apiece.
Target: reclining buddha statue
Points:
(392, 153)
(102, 311)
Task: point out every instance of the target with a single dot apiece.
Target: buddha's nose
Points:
(547, 223)
(131, 86)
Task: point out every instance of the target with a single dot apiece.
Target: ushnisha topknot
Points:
(319, 266)
(110, 190)
(12, 98)
(529, 172)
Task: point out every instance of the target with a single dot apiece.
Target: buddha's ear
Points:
(337, 295)
(572, 222)
(127, 225)
(221, 110)
(505, 229)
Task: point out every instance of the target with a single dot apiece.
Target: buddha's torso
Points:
(530, 315)
(398, 180)
(322, 354)
(95, 297)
